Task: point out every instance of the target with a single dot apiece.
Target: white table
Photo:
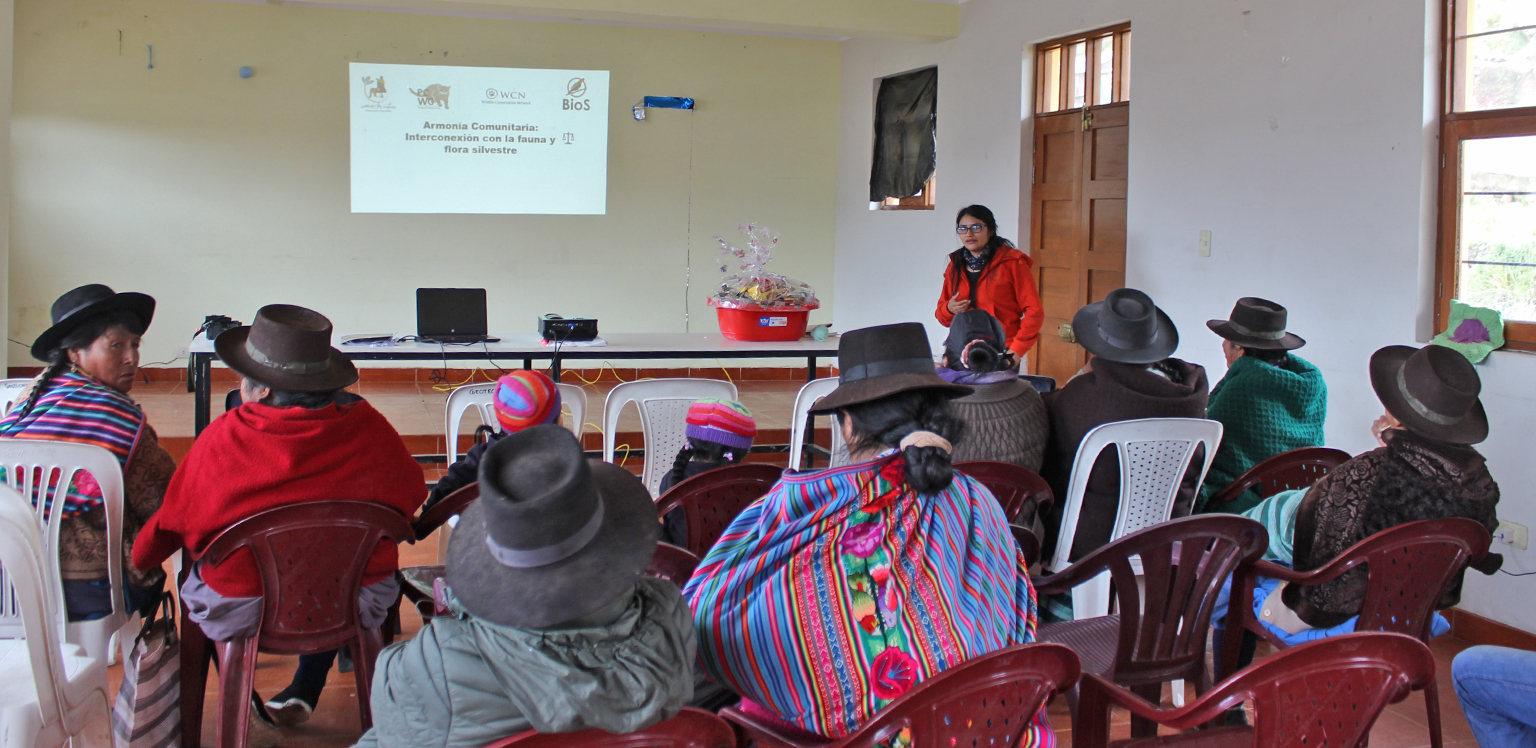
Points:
(529, 348)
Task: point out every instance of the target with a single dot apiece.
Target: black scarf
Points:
(977, 263)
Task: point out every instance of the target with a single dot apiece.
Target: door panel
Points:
(1078, 223)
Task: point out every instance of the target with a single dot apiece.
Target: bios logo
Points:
(575, 93)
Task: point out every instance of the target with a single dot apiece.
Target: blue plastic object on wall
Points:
(669, 102)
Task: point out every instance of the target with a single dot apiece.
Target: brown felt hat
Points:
(1432, 391)
(878, 362)
(287, 348)
(1257, 323)
(554, 536)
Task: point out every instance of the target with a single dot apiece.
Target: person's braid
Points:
(680, 465)
(58, 363)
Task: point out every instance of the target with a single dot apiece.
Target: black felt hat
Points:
(1126, 327)
(1431, 391)
(877, 362)
(554, 536)
(77, 307)
(287, 348)
(1257, 323)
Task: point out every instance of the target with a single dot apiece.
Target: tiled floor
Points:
(335, 723)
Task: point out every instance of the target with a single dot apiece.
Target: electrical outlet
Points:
(1511, 534)
(1205, 243)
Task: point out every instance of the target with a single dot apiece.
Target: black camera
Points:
(214, 324)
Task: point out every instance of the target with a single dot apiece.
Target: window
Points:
(1486, 249)
(1091, 70)
(901, 176)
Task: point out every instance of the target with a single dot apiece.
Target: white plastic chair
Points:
(811, 392)
(11, 390)
(663, 407)
(1154, 454)
(51, 693)
(19, 457)
(481, 397)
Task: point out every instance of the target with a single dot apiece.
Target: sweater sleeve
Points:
(462, 473)
(1029, 301)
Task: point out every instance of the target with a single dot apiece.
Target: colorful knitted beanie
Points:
(722, 422)
(526, 398)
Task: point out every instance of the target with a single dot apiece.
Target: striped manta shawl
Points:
(841, 589)
(78, 409)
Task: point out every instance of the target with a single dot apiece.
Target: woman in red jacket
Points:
(990, 274)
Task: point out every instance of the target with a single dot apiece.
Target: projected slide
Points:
(439, 139)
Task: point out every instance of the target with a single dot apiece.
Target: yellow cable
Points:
(445, 387)
(727, 371)
(625, 459)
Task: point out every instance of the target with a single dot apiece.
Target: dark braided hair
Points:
(885, 422)
(79, 338)
(1271, 356)
(706, 451)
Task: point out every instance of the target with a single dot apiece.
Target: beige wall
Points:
(217, 194)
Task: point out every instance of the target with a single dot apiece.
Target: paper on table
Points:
(593, 343)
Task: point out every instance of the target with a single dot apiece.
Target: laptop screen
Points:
(450, 311)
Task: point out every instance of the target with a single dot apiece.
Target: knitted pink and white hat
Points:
(722, 422)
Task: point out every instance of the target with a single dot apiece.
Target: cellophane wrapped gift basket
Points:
(753, 303)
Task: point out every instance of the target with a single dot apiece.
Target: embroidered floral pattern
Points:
(893, 673)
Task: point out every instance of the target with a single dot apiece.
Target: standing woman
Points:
(92, 351)
(990, 274)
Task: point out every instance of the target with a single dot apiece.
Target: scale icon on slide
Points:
(568, 138)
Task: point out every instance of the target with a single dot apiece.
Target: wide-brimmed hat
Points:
(1432, 391)
(78, 306)
(554, 536)
(1126, 327)
(877, 362)
(969, 325)
(1257, 323)
(287, 348)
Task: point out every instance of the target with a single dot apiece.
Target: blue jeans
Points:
(1497, 689)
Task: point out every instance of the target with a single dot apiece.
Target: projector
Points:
(555, 328)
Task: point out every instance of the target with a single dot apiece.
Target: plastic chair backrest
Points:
(451, 506)
(691, 728)
(1012, 485)
(1154, 455)
(11, 391)
(311, 558)
(43, 471)
(1323, 693)
(30, 571)
(481, 397)
(1185, 562)
(1409, 568)
(1298, 468)
(1040, 382)
(663, 407)
(711, 500)
(673, 564)
(800, 418)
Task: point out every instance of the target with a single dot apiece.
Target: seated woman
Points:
(92, 351)
(551, 625)
(297, 438)
(1004, 418)
(842, 589)
(1271, 400)
(523, 399)
(1426, 468)
(1129, 375)
(720, 434)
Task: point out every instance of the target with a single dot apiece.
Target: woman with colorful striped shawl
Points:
(842, 589)
(92, 352)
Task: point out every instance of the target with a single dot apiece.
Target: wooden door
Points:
(1077, 223)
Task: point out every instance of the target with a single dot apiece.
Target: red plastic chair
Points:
(311, 558)
(1325, 693)
(711, 500)
(1161, 638)
(691, 728)
(430, 520)
(1029, 544)
(987, 701)
(1408, 568)
(1014, 487)
(672, 564)
(1298, 468)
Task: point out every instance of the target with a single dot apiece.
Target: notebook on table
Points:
(451, 315)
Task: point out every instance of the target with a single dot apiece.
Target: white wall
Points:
(1300, 133)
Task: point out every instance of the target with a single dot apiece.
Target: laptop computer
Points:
(451, 315)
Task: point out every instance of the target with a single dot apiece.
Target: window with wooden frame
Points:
(1486, 244)
(1086, 70)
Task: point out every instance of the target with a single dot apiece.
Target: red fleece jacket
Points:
(257, 457)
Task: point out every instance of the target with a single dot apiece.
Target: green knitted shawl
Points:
(1266, 410)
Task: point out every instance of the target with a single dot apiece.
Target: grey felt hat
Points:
(1126, 327)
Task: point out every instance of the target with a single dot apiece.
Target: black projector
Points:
(559, 329)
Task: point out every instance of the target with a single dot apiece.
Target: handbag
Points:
(147, 713)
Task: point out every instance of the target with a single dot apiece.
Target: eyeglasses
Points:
(974, 228)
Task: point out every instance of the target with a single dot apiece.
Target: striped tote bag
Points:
(147, 713)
